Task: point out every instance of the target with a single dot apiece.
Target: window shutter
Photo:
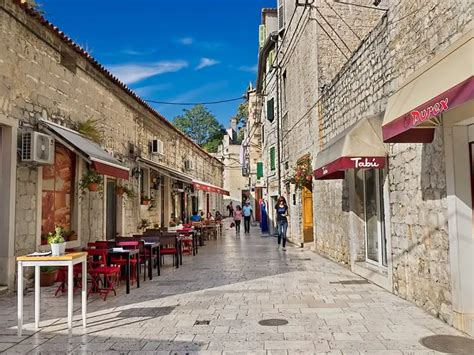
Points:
(270, 110)
(281, 15)
(272, 158)
(262, 35)
(259, 170)
(271, 59)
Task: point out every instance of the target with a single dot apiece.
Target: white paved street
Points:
(233, 283)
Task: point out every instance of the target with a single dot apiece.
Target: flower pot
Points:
(58, 249)
(93, 186)
(48, 278)
(145, 202)
(119, 191)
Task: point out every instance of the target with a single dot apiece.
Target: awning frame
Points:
(162, 169)
(209, 187)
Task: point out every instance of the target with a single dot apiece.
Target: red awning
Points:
(110, 170)
(443, 84)
(199, 185)
(358, 147)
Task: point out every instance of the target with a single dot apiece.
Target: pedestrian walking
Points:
(230, 209)
(237, 218)
(247, 212)
(281, 210)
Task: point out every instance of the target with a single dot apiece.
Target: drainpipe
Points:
(277, 68)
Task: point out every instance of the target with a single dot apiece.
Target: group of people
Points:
(246, 212)
(200, 217)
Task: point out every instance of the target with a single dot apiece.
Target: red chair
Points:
(186, 235)
(62, 278)
(99, 245)
(97, 260)
(169, 246)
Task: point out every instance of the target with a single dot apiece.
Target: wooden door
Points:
(307, 199)
(111, 212)
(258, 196)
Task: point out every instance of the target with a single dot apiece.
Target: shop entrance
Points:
(111, 210)
(307, 200)
(369, 184)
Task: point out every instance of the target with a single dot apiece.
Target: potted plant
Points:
(303, 174)
(48, 275)
(92, 181)
(144, 224)
(57, 242)
(146, 200)
(122, 190)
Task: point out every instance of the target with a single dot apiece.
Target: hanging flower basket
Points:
(93, 186)
(303, 175)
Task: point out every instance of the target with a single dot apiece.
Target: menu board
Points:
(58, 191)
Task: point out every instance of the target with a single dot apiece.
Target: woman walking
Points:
(237, 218)
(282, 220)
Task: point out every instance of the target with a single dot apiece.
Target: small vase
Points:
(58, 249)
(93, 186)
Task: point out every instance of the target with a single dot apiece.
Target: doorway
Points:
(370, 186)
(307, 199)
(111, 210)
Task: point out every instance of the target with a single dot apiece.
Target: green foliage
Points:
(88, 128)
(242, 114)
(144, 224)
(48, 269)
(201, 126)
(91, 177)
(57, 236)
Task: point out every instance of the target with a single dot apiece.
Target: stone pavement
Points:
(232, 284)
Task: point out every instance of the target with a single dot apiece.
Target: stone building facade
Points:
(46, 78)
(417, 241)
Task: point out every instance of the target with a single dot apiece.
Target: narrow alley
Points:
(215, 301)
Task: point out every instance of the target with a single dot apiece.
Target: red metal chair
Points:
(97, 260)
(169, 246)
(186, 235)
(98, 245)
(62, 279)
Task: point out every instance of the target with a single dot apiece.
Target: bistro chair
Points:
(169, 246)
(98, 269)
(100, 244)
(186, 236)
(62, 278)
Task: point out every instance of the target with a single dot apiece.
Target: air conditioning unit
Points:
(37, 148)
(188, 165)
(133, 150)
(156, 146)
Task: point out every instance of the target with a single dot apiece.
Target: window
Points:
(263, 133)
(270, 110)
(369, 189)
(57, 200)
(272, 159)
(281, 15)
(259, 170)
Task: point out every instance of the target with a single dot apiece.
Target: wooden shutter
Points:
(270, 110)
(262, 35)
(272, 159)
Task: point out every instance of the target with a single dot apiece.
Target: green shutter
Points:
(259, 170)
(262, 35)
(272, 158)
(270, 110)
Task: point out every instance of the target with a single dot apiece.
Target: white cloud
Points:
(132, 73)
(250, 69)
(149, 90)
(186, 41)
(206, 62)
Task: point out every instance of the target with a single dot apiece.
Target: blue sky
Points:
(169, 50)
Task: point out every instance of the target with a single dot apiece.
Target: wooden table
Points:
(128, 253)
(69, 260)
(150, 246)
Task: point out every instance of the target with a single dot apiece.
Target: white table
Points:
(69, 260)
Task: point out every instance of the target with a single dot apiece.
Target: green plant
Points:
(89, 129)
(91, 177)
(57, 236)
(144, 224)
(48, 269)
(127, 191)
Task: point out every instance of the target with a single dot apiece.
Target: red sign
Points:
(335, 169)
(398, 129)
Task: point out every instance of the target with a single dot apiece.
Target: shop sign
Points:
(417, 117)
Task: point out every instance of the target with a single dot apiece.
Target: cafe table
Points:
(36, 261)
(127, 253)
(152, 247)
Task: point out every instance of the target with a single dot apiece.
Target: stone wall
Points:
(407, 37)
(34, 84)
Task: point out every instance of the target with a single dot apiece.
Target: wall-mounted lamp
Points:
(136, 172)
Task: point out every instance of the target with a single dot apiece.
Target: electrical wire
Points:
(342, 19)
(332, 28)
(333, 41)
(195, 103)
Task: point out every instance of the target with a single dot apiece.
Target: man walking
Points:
(230, 209)
(247, 212)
